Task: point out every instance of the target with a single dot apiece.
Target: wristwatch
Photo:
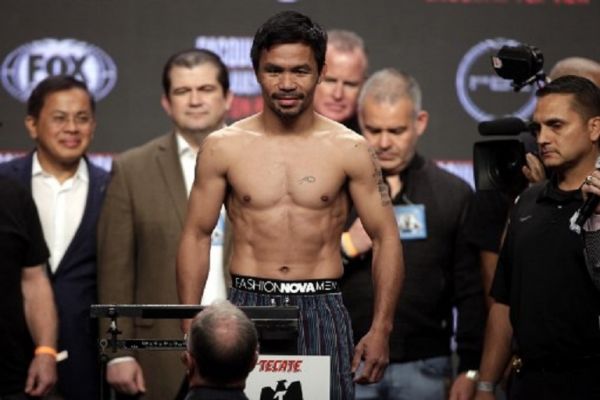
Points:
(486, 386)
(482, 386)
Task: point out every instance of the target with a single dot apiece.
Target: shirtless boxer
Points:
(288, 177)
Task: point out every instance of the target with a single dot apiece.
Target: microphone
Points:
(502, 126)
(588, 206)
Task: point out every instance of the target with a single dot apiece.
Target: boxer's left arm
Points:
(373, 204)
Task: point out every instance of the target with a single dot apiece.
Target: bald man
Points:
(222, 349)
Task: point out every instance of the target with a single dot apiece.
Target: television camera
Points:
(498, 163)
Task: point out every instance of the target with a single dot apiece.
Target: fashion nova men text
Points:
(281, 287)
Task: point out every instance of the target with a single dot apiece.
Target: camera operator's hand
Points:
(591, 185)
(534, 170)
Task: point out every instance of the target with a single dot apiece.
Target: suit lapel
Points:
(96, 190)
(23, 168)
(169, 165)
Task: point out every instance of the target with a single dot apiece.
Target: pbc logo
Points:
(32, 62)
(483, 94)
(235, 53)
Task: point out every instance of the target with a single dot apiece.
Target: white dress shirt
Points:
(215, 287)
(187, 158)
(60, 206)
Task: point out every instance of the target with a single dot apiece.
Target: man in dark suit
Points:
(68, 191)
(143, 215)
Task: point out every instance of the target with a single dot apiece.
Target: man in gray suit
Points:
(143, 216)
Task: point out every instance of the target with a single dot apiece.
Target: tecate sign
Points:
(30, 63)
(483, 94)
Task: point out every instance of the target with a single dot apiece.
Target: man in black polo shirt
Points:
(442, 272)
(28, 321)
(546, 303)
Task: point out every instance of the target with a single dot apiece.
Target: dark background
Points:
(427, 38)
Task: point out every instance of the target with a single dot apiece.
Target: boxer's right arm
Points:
(204, 206)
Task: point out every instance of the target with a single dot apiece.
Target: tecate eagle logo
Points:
(27, 65)
(483, 94)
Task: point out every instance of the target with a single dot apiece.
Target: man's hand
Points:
(41, 376)
(534, 170)
(361, 240)
(463, 388)
(373, 350)
(591, 185)
(126, 377)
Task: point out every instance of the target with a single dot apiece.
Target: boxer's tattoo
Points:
(307, 179)
(378, 177)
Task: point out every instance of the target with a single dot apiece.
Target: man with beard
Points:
(288, 176)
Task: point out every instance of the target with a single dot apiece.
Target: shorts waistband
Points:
(276, 286)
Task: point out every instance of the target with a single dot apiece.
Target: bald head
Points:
(577, 66)
(223, 342)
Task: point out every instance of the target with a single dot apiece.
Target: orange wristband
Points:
(45, 350)
(347, 245)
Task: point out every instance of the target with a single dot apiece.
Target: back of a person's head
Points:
(289, 27)
(223, 342)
